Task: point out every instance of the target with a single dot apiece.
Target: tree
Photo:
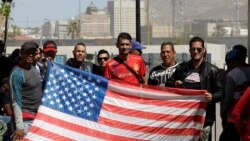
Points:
(219, 31)
(73, 29)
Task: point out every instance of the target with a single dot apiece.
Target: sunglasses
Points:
(198, 49)
(102, 59)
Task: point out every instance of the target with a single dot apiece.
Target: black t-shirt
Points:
(5, 98)
(5, 67)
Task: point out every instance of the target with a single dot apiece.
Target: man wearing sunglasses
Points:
(79, 61)
(199, 74)
(102, 58)
(26, 90)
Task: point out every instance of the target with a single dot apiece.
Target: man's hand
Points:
(18, 135)
(208, 97)
(178, 84)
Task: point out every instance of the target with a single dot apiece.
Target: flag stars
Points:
(85, 108)
(79, 111)
(70, 108)
(67, 103)
(78, 97)
(88, 99)
(94, 96)
(91, 105)
(82, 102)
(96, 89)
(64, 97)
(52, 102)
(89, 78)
(89, 114)
(73, 100)
(61, 106)
(58, 100)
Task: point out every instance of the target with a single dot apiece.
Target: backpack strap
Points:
(130, 69)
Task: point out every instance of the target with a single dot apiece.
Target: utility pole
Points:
(80, 21)
(173, 20)
(237, 25)
(138, 20)
(148, 23)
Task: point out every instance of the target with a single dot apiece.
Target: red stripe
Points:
(80, 129)
(48, 134)
(152, 116)
(161, 103)
(166, 90)
(148, 129)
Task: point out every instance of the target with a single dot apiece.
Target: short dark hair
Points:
(81, 43)
(102, 51)
(241, 49)
(49, 42)
(5, 80)
(196, 39)
(168, 43)
(124, 35)
(1, 46)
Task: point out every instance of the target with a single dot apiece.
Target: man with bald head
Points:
(79, 60)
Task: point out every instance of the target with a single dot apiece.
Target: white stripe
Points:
(153, 94)
(150, 123)
(108, 129)
(35, 137)
(153, 109)
(62, 131)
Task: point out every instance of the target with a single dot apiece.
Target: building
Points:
(61, 30)
(48, 29)
(94, 23)
(123, 16)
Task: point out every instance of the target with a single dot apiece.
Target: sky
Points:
(33, 13)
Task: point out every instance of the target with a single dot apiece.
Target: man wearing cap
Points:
(26, 90)
(79, 61)
(237, 81)
(126, 67)
(136, 48)
(159, 75)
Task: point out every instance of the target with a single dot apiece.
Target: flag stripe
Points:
(49, 135)
(99, 130)
(151, 108)
(77, 127)
(148, 122)
(154, 116)
(195, 104)
(146, 129)
(35, 137)
(150, 93)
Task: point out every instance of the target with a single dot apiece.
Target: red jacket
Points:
(241, 115)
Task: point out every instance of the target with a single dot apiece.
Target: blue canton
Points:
(74, 91)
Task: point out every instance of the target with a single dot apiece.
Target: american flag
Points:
(79, 106)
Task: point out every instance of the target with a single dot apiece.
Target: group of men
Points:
(28, 77)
